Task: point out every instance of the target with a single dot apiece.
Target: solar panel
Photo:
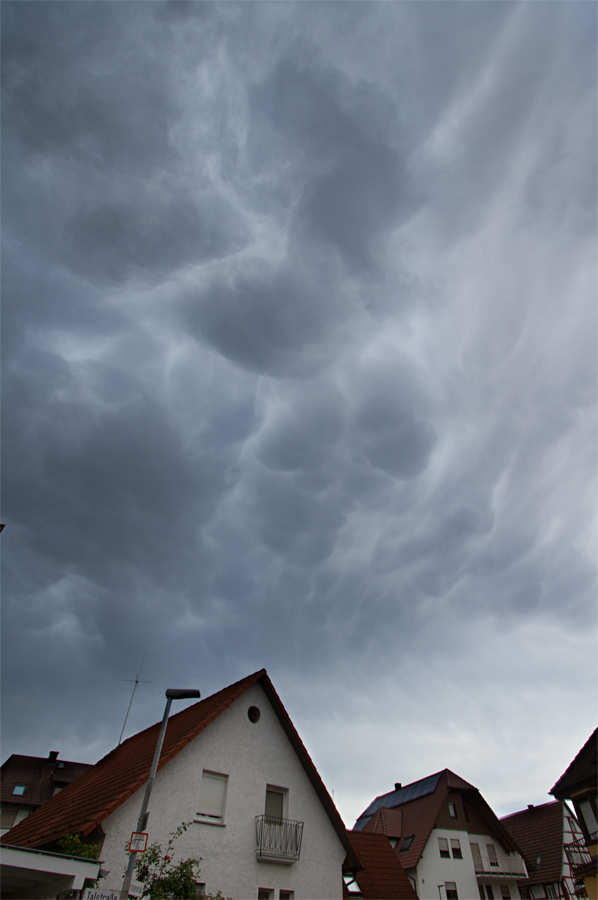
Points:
(397, 798)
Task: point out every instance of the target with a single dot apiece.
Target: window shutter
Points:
(211, 795)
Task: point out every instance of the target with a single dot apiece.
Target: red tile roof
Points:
(581, 773)
(40, 775)
(82, 806)
(538, 831)
(382, 876)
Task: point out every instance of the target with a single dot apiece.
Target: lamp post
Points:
(171, 694)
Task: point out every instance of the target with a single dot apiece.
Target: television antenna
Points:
(137, 681)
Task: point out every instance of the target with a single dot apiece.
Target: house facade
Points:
(449, 841)
(542, 832)
(234, 767)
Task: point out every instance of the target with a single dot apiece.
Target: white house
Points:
(234, 767)
(450, 843)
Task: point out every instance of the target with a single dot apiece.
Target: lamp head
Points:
(182, 694)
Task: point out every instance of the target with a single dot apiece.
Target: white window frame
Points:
(209, 819)
(456, 845)
(276, 789)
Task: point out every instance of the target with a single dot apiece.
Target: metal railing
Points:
(278, 839)
(582, 854)
(504, 866)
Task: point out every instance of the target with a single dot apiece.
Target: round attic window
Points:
(253, 714)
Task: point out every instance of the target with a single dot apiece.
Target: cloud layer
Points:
(299, 372)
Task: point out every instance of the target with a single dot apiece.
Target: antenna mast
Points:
(132, 695)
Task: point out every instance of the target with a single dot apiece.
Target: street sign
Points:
(96, 894)
(138, 842)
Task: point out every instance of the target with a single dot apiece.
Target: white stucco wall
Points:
(433, 870)
(253, 756)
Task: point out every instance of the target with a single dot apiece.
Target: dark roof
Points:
(40, 775)
(538, 831)
(83, 806)
(582, 773)
(382, 876)
(418, 816)
(412, 791)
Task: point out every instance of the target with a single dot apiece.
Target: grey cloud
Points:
(76, 82)
(268, 319)
(404, 451)
(117, 241)
(305, 434)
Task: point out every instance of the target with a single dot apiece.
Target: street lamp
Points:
(171, 694)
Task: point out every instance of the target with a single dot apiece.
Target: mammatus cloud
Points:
(299, 372)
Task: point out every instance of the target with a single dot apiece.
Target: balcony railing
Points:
(504, 866)
(278, 840)
(582, 854)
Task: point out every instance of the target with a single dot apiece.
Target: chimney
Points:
(52, 757)
(530, 805)
(398, 785)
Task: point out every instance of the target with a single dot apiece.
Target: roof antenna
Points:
(133, 694)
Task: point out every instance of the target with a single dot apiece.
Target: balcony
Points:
(582, 855)
(500, 866)
(277, 840)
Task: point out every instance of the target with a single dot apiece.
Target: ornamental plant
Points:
(164, 879)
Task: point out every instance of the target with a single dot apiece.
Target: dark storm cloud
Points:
(299, 366)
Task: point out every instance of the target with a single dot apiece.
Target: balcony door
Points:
(275, 804)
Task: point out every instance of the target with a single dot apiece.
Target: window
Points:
(489, 892)
(451, 890)
(407, 843)
(504, 892)
(481, 890)
(18, 790)
(253, 714)
(524, 892)
(200, 888)
(456, 849)
(275, 803)
(452, 810)
(212, 797)
(265, 894)
(492, 854)
(550, 891)
(7, 818)
(477, 857)
(443, 847)
(286, 895)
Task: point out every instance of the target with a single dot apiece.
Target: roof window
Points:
(18, 790)
(407, 843)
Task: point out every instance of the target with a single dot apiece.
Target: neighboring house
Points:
(541, 833)
(26, 782)
(382, 876)
(448, 840)
(580, 785)
(234, 767)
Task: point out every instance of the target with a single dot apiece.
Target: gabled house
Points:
(27, 782)
(542, 832)
(448, 840)
(580, 785)
(234, 767)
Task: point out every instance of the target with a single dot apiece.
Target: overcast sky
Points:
(300, 373)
